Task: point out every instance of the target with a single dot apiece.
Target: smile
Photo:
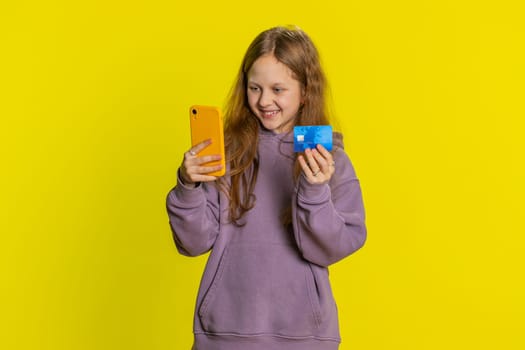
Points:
(269, 114)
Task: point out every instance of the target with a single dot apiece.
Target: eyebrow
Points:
(273, 84)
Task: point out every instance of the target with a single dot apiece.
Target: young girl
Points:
(276, 220)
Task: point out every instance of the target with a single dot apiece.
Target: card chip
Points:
(308, 136)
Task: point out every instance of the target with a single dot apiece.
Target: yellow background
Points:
(93, 105)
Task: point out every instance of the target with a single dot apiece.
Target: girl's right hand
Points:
(192, 169)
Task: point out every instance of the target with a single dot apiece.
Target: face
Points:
(273, 94)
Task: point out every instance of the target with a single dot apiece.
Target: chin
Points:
(268, 123)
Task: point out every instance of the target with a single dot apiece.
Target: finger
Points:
(201, 165)
(200, 173)
(203, 178)
(312, 162)
(304, 165)
(199, 147)
(328, 159)
(321, 161)
(310, 167)
(325, 153)
(205, 159)
(204, 170)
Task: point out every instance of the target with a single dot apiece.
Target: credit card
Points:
(309, 136)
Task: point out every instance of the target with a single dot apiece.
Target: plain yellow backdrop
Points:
(93, 105)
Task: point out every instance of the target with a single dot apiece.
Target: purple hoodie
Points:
(266, 285)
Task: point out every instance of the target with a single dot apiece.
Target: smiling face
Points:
(274, 95)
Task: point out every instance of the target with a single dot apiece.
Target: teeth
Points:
(270, 114)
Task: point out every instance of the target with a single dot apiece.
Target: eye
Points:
(253, 88)
(278, 90)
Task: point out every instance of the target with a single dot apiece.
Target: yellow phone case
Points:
(206, 123)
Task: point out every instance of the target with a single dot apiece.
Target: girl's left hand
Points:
(317, 164)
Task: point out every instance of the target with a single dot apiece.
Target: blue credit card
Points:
(309, 136)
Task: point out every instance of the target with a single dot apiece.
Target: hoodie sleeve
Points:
(329, 219)
(194, 217)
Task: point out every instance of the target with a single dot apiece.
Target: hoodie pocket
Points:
(261, 289)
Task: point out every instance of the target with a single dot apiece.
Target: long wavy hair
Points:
(292, 47)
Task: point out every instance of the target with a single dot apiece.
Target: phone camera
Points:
(194, 111)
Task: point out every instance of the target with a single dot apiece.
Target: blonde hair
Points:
(292, 47)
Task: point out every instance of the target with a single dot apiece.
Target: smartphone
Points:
(206, 123)
(310, 136)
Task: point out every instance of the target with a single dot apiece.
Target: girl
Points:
(276, 220)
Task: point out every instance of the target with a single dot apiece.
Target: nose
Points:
(265, 99)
